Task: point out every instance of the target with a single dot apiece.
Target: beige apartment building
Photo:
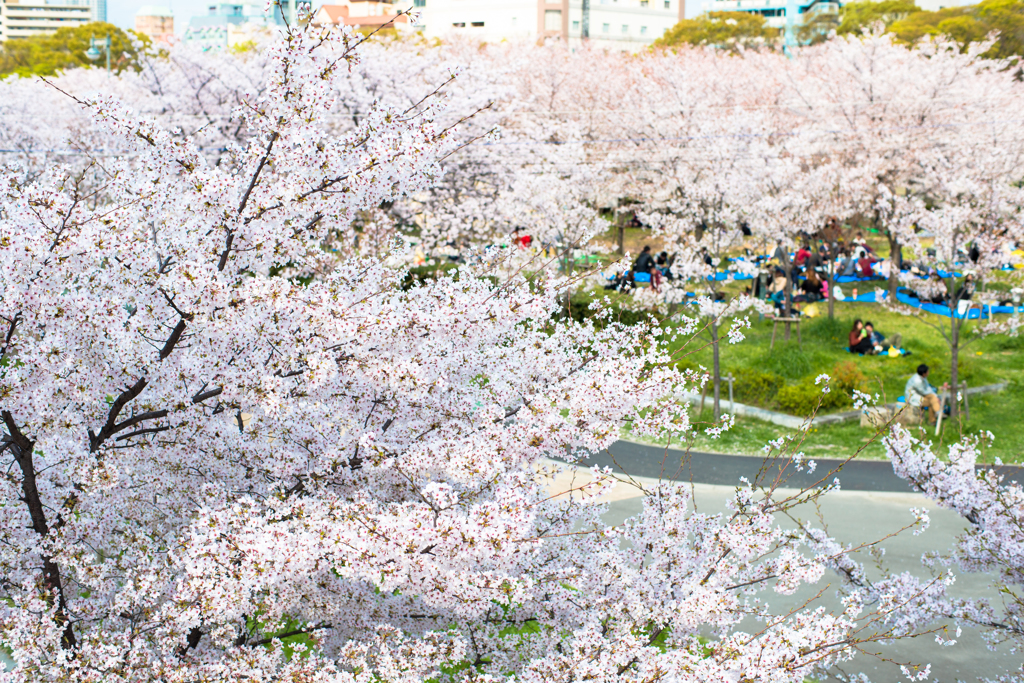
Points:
(23, 18)
(156, 22)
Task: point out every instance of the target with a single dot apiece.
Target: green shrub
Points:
(755, 387)
(802, 398)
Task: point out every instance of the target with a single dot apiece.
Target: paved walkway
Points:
(641, 460)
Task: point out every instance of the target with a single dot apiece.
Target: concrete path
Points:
(859, 516)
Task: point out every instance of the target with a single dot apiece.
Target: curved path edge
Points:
(643, 460)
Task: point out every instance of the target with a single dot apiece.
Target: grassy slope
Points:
(985, 361)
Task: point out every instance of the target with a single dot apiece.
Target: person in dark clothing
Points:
(812, 287)
(860, 342)
(665, 266)
(645, 264)
(965, 291)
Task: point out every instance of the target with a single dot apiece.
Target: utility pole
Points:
(585, 24)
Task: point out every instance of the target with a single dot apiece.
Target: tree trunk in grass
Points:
(622, 238)
(831, 287)
(954, 370)
(787, 266)
(895, 265)
(717, 370)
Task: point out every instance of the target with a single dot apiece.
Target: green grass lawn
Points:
(987, 360)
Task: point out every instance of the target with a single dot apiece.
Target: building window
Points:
(606, 28)
(553, 20)
(575, 26)
(643, 30)
(644, 3)
(477, 24)
(419, 3)
(625, 29)
(459, 24)
(668, 4)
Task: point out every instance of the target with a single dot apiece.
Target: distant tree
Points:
(45, 55)
(854, 18)
(970, 24)
(721, 29)
(857, 16)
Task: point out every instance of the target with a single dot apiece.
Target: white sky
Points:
(122, 12)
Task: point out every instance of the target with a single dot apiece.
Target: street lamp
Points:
(95, 47)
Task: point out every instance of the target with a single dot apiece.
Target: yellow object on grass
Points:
(811, 311)
(894, 352)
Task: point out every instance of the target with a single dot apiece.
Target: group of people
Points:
(865, 339)
(656, 269)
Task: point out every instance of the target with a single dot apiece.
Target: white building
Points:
(616, 24)
(23, 18)
(231, 22)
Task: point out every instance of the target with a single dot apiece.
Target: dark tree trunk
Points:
(717, 369)
(831, 291)
(23, 450)
(895, 265)
(954, 370)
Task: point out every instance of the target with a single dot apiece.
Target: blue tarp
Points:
(842, 279)
(719, 277)
(866, 297)
(906, 297)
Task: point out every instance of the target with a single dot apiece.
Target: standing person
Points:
(859, 341)
(645, 264)
(920, 393)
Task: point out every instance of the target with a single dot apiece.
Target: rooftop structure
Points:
(363, 13)
(20, 19)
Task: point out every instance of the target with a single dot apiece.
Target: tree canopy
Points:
(858, 16)
(45, 55)
(970, 24)
(722, 29)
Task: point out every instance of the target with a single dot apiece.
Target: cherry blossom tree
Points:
(219, 472)
(889, 110)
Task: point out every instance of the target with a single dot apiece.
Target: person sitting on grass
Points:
(920, 393)
(645, 264)
(859, 341)
(813, 287)
(865, 265)
(878, 339)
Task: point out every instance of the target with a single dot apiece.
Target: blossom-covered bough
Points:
(215, 472)
(993, 543)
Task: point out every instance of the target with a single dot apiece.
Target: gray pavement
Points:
(860, 516)
(642, 460)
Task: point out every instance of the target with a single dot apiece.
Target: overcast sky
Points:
(122, 12)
